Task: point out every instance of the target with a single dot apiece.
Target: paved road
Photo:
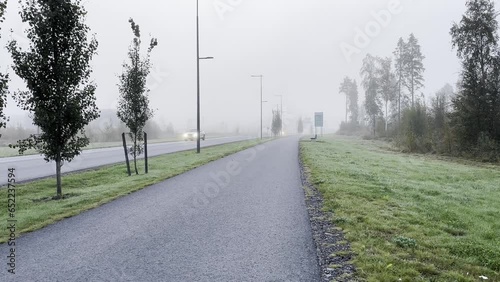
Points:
(242, 218)
(34, 166)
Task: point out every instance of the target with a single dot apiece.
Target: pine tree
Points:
(353, 102)
(414, 67)
(476, 104)
(494, 99)
(371, 86)
(400, 63)
(440, 110)
(349, 87)
(387, 84)
(345, 88)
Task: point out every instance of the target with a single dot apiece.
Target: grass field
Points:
(409, 217)
(87, 190)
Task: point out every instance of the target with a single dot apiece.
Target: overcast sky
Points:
(295, 44)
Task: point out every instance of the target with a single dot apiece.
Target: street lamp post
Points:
(198, 145)
(261, 102)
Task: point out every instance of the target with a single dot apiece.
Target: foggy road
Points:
(34, 166)
(241, 218)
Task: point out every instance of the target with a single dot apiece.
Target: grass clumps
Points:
(429, 218)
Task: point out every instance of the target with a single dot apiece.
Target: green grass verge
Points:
(6, 152)
(90, 189)
(409, 217)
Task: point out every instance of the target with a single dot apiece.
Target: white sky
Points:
(295, 44)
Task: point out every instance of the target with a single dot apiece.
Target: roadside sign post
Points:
(318, 122)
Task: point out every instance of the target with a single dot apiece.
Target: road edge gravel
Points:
(333, 251)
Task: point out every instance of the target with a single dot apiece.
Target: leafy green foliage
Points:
(387, 85)
(414, 129)
(405, 242)
(409, 71)
(465, 123)
(476, 107)
(371, 84)
(56, 70)
(414, 67)
(439, 121)
(276, 126)
(133, 107)
(4, 78)
(3, 6)
(350, 88)
(400, 63)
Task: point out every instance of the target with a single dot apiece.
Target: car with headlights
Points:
(192, 135)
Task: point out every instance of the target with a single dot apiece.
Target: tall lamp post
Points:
(198, 145)
(281, 114)
(261, 102)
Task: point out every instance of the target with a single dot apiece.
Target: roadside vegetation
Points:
(4, 78)
(409, 217)
(60, 94)
(462, 121)
(37, 207)
(133, 105)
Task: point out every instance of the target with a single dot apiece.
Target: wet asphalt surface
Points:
(241, 218)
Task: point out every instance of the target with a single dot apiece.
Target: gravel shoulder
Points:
(333, 250)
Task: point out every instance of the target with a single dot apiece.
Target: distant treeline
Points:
(100, 130)
(461, 122)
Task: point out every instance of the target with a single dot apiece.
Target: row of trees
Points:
(476, 108)
(467, 121)
(60, 95)
(110, 130)
(3, 77)
(385, 84)
(277, 123)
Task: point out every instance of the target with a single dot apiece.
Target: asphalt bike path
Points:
(241, 218)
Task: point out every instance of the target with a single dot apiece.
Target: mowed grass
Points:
(87, 190)
(409, 217)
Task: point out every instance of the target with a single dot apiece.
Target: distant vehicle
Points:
(192, 135)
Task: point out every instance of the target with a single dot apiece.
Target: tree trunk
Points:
(346, 107)
(135, 164)
(412, 91)
(135, 154)
(386, 102)
(58, 176)
(399, 106)
(374, 125)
